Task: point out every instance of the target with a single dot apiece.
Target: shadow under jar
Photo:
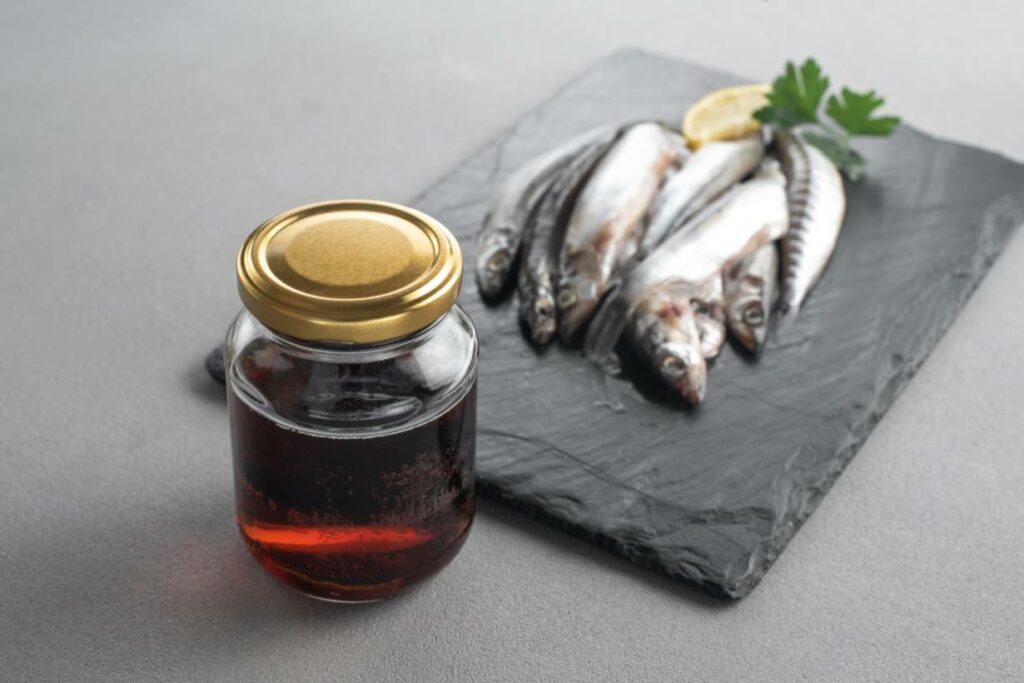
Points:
(351, 378)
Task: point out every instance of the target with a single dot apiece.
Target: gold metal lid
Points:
(349, 271)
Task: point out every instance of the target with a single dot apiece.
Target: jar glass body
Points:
(353, 463)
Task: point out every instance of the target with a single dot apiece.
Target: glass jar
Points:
(351, 378)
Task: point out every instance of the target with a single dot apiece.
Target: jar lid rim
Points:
(352, 270)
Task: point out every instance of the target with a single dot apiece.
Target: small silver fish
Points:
(502, 231)
(538, 272)
(750, 288)
(751, 215)
(709, 172)
(681, 280)
(664, 330)
(607, 218)
(817, 204)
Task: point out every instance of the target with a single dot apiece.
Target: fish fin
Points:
(606, 328)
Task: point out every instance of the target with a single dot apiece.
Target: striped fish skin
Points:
(538, 272)
(817, 205)
(750, 288)
(501, 234)
(607, 217)
(705, 175)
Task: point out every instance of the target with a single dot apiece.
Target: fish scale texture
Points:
(711, 496)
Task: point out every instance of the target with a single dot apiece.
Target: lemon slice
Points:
(725, 114)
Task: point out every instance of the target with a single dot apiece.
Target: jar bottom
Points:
(378, 570)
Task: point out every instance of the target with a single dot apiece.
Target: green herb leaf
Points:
(853, 111)
(795, 96)
(846, 159)
(794, 101)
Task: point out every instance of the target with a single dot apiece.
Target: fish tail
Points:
(784, 317)
(606, 328)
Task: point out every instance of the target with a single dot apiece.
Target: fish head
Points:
(682, 366)
(493, 263)
(538, 312)
(665, 332)
(748, 317)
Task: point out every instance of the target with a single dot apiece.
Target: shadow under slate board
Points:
(711, 496)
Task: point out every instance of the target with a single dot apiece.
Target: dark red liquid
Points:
(354, 519)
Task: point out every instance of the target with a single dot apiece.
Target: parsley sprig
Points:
(795, 99)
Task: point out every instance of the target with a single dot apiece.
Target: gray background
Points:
(140, 143)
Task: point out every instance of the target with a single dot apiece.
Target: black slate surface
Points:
(711, 496)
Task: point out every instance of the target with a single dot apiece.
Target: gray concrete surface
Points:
(139, 144)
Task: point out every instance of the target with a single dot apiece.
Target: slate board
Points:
(711, 496)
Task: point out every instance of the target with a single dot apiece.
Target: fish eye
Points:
(498, 261)
(672, 364)
(753, 315)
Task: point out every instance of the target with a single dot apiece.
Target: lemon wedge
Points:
(725, 114)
